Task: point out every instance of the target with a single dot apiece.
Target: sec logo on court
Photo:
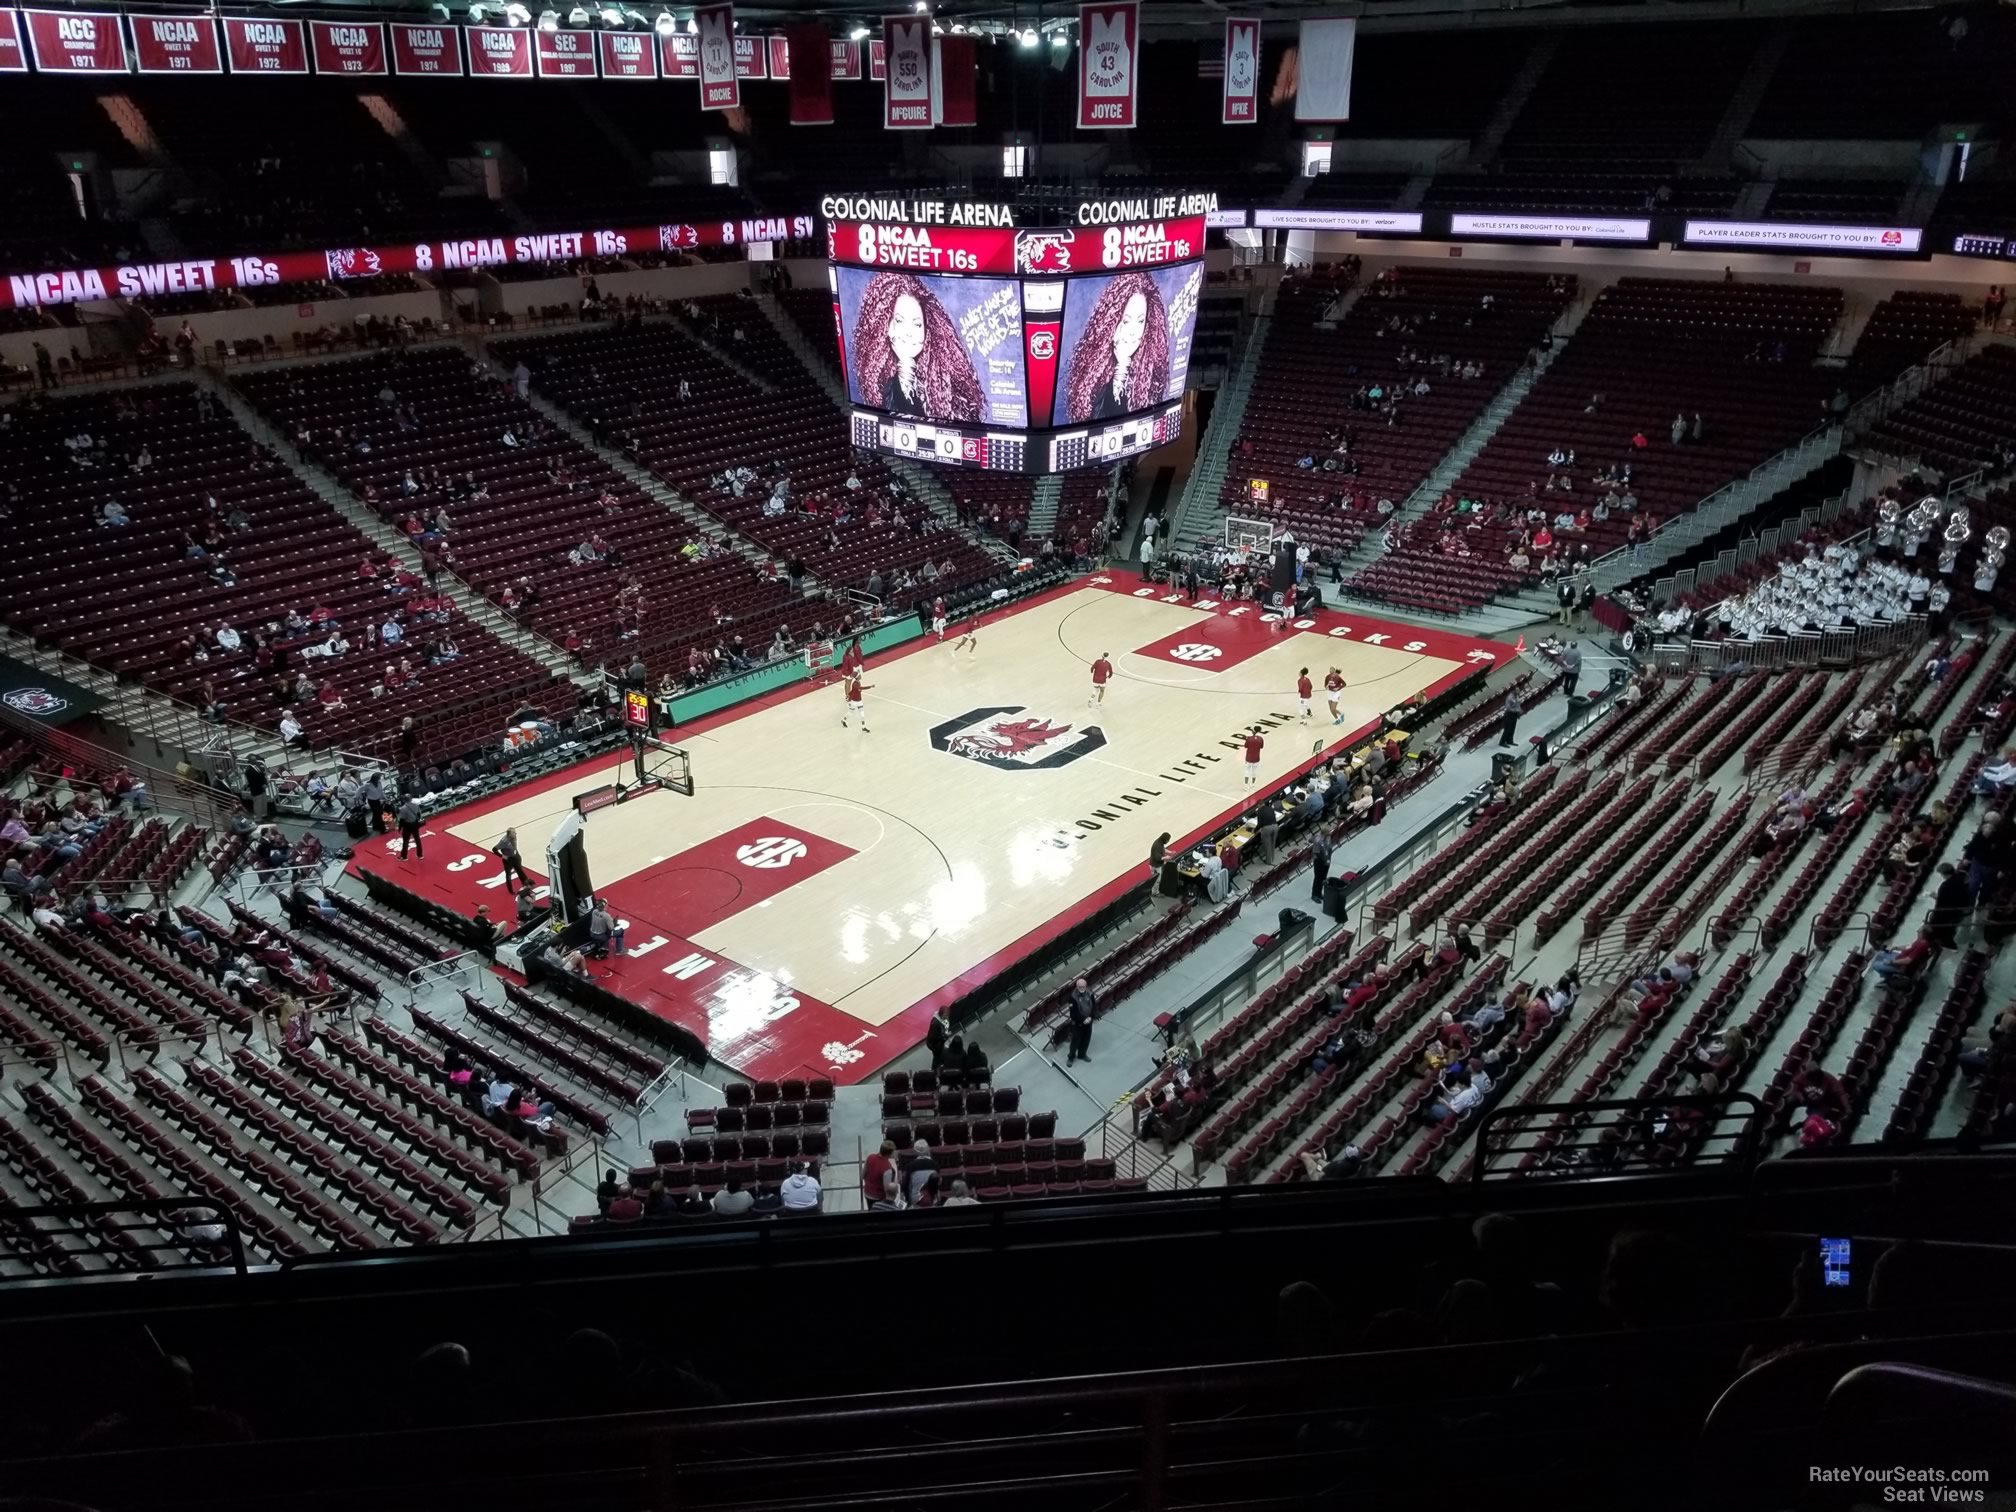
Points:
(1196, 651)
(770, 852)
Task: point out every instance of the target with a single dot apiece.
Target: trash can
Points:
(1501, 763)
(1337, 895)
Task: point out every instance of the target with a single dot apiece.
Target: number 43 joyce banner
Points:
(1109, 57)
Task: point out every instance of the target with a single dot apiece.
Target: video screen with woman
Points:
(1126, 342)
(944, 349)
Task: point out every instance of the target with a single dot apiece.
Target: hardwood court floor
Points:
(826, 888)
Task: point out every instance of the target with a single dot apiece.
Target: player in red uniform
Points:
(1102, 669)
(1333, 689)
(938, 619)
(970, 641)
(1303, 689)
(1254, 745)
(855, 708)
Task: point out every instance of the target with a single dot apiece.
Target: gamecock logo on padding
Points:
(37, 701)
(1013, 739)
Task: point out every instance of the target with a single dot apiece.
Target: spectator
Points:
(1082, 1009)
(731, 1201)
(875, 1168)
(800, 1191)
(922, 1168)
(1900, 967)
(960, 1196)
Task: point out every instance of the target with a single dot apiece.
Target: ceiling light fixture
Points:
(666, 23)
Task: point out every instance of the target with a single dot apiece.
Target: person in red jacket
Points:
(1304, 689)
(1254, 745)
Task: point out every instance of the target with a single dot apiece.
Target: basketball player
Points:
(938, 619)
(1303, 689)
(1102, 669)
(1254, 745)
(970, 641)
(856, 709)
(1333, 690)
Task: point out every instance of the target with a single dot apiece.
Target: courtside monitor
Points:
(972, 337)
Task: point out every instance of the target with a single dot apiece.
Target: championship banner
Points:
(257, 46)
(434, 51)
(13, 56)
(76, 42)
(1109, 60)
(253, 271)
(777, 47)
(627, 55)
(176, 44)
(1242, 72)
(679, 56)
(499, 52)
(566, 54)
(847, 61)
(752, 57)
(356, 48)
(719, 89)
(958, 80)
(1323, 70)
(909, 101)
(878, 61)
(810, 70)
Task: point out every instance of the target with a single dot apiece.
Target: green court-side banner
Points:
(690, 706)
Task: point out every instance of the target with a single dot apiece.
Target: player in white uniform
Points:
(938, 618)
(855, 711)
(1333, 690)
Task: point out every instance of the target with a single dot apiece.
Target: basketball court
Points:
(825, 889)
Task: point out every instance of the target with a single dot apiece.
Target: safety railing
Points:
(1802, 650)
(1621, 1137)
(114, 1240)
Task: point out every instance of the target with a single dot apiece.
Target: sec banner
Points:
(1109, 56)
(13, 57)
(565, 54)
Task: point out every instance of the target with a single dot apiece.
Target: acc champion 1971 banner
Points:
(909, 84)
(1242, 72)
(1109, 64)
(719, 87)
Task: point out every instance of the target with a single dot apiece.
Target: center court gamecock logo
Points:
(1044, 251)
(997, 737)
(352, 262)
(37, 701)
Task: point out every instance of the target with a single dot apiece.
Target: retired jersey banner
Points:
(500, 52)
(176, 44)
(434, 51)
(878, 61)
(958, 80)
(627, 55)
(1323, 70)
(679, 55)
(347, 47)
(909, 98)
(1242, 72)
(13, 56)
(846, 60)
(258, 46)
(568, 54)
(76, 42)
(810, 70)
(719, 89)
(1109, 64)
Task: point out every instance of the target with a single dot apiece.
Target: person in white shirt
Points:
(290, 727)
(390, 633)
(510, 439)
(46, 918)
(800, 1191)
(960, 1196)
(1997, 776)
(228, 638)
(731, 1201)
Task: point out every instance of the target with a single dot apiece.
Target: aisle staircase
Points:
(1200, 517)
(1049, 493)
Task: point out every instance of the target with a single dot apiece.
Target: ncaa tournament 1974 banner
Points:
(1242, 72)
(909, 84)
(719, 88)
(1109, 57)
